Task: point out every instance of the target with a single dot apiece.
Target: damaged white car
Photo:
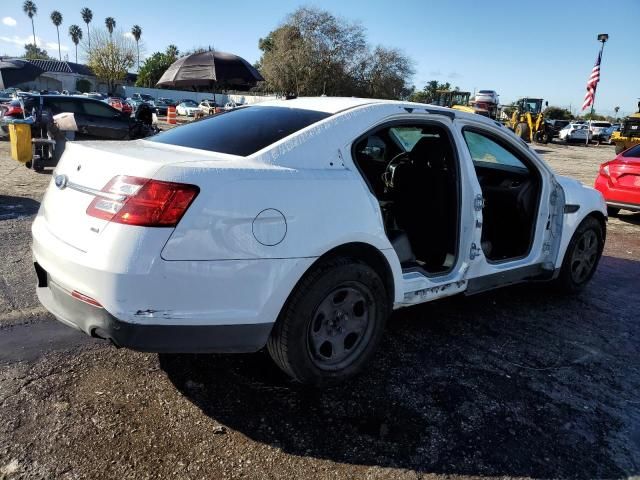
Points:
(300, 225)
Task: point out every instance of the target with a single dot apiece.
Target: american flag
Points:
(592, 83)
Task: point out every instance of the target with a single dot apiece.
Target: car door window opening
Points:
(412, 170)
(511, 188)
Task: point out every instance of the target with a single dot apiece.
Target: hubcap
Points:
(341, 326)
(584, 257)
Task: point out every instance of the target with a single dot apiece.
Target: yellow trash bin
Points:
(20, 137)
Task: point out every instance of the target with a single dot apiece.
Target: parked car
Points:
(187, 108)
(143, 97)
(12, 109)
(575, 132)
(231, 106)
(127, 108)
(115, 102)
(556, 125)
(619, 181)
(599, 131)
(162, 104)
(95, 119)
(487, 96)
(300, 225)
(208, 106)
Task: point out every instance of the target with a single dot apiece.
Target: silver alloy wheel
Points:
(341, 326)
(584, 256)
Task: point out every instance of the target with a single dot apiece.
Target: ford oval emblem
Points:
(61, 181)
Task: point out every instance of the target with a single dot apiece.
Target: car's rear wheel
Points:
(331, 324)
(582, 256)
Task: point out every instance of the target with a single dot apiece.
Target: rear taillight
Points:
(604, 170)
(13, 111)
(143, 202)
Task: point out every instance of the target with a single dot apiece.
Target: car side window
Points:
(98, 110)
(484, 150)
(59, 106)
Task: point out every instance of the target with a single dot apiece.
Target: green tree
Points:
(75, 32)
(56, 19)
(136, 31)
(154, 67)
(32, 52)
(428, 93)
(30, 9)
(173, 52)
(313, 53)
(87, 16)
(594, 116)
(110, 23)
(557, 113)
(111, 56)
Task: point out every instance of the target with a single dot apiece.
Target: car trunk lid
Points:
(84, 170)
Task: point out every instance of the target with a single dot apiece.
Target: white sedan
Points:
(187, 108)
(300, 225)
(575, 132)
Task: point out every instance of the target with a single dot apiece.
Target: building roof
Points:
(62, 67)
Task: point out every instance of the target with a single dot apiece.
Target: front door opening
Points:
(511, 192)
(412, 171)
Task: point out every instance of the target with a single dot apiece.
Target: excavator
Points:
(629, 134)
(527, 121)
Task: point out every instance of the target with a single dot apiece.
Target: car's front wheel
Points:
(582, 256)
(331, 323)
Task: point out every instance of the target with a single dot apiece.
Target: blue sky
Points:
(496, 45)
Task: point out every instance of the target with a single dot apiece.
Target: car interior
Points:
(413, 172)
(511, 193)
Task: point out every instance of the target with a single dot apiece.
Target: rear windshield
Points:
(632, 152)
(241, 132)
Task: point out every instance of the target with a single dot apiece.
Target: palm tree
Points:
(87, 16)
(110, 22)
(75, 32)
(56, 18)
(30, 9)
(172, 51)
(136, 31)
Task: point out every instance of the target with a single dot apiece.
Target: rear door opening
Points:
(412, 170)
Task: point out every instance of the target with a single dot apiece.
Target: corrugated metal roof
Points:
(62, 67)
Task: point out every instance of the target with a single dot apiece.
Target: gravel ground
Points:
(520, 382)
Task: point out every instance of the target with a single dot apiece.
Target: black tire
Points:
(581, 258)
(307, 319)
(613, 211)
(522, 130)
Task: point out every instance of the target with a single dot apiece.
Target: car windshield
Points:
(190, 103)
(242, 131)
(600, 124)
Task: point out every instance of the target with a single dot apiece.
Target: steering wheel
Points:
(389, 172)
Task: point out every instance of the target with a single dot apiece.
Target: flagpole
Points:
(603, 37)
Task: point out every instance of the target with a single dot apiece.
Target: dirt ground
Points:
(520, 382)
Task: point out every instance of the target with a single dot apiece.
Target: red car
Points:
(619, 181)
(127, 108)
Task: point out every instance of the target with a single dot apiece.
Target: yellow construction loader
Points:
(527, 121)
(629, 134)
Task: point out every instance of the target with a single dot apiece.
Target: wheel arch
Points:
(361, 251)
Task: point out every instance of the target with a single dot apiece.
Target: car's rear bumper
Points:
(628, 199)
(98, 322)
